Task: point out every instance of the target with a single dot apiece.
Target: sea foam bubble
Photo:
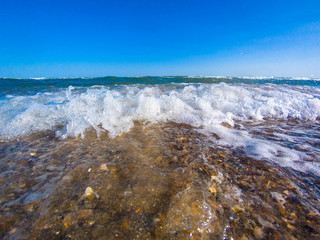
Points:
(115, 109)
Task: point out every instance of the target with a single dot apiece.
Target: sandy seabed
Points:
(160, 181)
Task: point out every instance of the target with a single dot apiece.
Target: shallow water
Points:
(160, 158)
(162, 181)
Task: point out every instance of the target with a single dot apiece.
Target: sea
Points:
(160, 158)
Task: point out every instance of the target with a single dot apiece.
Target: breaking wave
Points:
(208, 107)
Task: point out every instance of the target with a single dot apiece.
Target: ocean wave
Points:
(116, 109)
(255, 77)
(210, 108)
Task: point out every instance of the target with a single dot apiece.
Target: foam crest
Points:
(275, 151)
(114, 110)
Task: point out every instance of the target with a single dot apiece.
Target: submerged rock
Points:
(278, 197)
(90, 194)
(88, 191)
(104, 167)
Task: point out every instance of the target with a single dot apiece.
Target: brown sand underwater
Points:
(162, 181)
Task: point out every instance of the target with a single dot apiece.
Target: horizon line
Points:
(170, 76)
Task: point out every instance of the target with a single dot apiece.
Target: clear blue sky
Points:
(64, 38)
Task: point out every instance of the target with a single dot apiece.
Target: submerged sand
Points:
(160, 181)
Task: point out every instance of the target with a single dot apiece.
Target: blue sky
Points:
(64, 38)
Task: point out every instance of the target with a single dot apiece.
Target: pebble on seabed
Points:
(88, 191)
(104, 167)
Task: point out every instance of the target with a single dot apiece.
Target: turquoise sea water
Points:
(17, 85)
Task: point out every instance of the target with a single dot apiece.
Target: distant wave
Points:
(255, 77)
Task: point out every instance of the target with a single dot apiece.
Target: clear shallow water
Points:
(177, 153)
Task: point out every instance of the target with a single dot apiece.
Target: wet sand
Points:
(164, 181)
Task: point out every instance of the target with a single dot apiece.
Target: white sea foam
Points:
(257, 77)
(204, 106)
(38, 78)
